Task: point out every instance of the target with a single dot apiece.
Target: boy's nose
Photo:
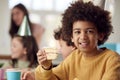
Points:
(83, 36)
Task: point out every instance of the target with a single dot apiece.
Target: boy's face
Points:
(18, 51)
(65, 50)
(85, 36)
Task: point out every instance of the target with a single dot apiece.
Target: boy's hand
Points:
(42, 60)
(27, 75)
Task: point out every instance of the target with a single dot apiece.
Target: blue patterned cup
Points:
(13, 74)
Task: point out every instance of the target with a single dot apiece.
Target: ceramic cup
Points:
(13, 74)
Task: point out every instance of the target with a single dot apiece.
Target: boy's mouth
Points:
(83, 44)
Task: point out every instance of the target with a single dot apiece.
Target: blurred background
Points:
(44, 12)
(48, 14)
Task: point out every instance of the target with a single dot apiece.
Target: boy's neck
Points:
(92, 53)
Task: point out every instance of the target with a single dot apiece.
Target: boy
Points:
(66, 46)
(88, 26)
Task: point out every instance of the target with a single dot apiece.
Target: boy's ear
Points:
(72, 39)
(25, 51)
(101, 36)
(73, 48)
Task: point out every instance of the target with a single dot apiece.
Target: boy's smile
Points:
(85, 36)
(83, 44)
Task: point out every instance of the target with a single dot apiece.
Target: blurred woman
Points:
(17, 14)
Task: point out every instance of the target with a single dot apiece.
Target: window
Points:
(42, 4)
(27, 3)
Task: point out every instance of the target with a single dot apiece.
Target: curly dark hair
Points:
(31, 46)
(58, 35)
(80, 11)
(13, 27)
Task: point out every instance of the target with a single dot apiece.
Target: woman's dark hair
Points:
(31, 48)
(79, 11)
(58, 35)
(13, 27)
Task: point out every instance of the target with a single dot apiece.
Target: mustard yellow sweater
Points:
(105, 66)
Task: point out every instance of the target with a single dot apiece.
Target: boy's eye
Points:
(77, 32)
(90, 31)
